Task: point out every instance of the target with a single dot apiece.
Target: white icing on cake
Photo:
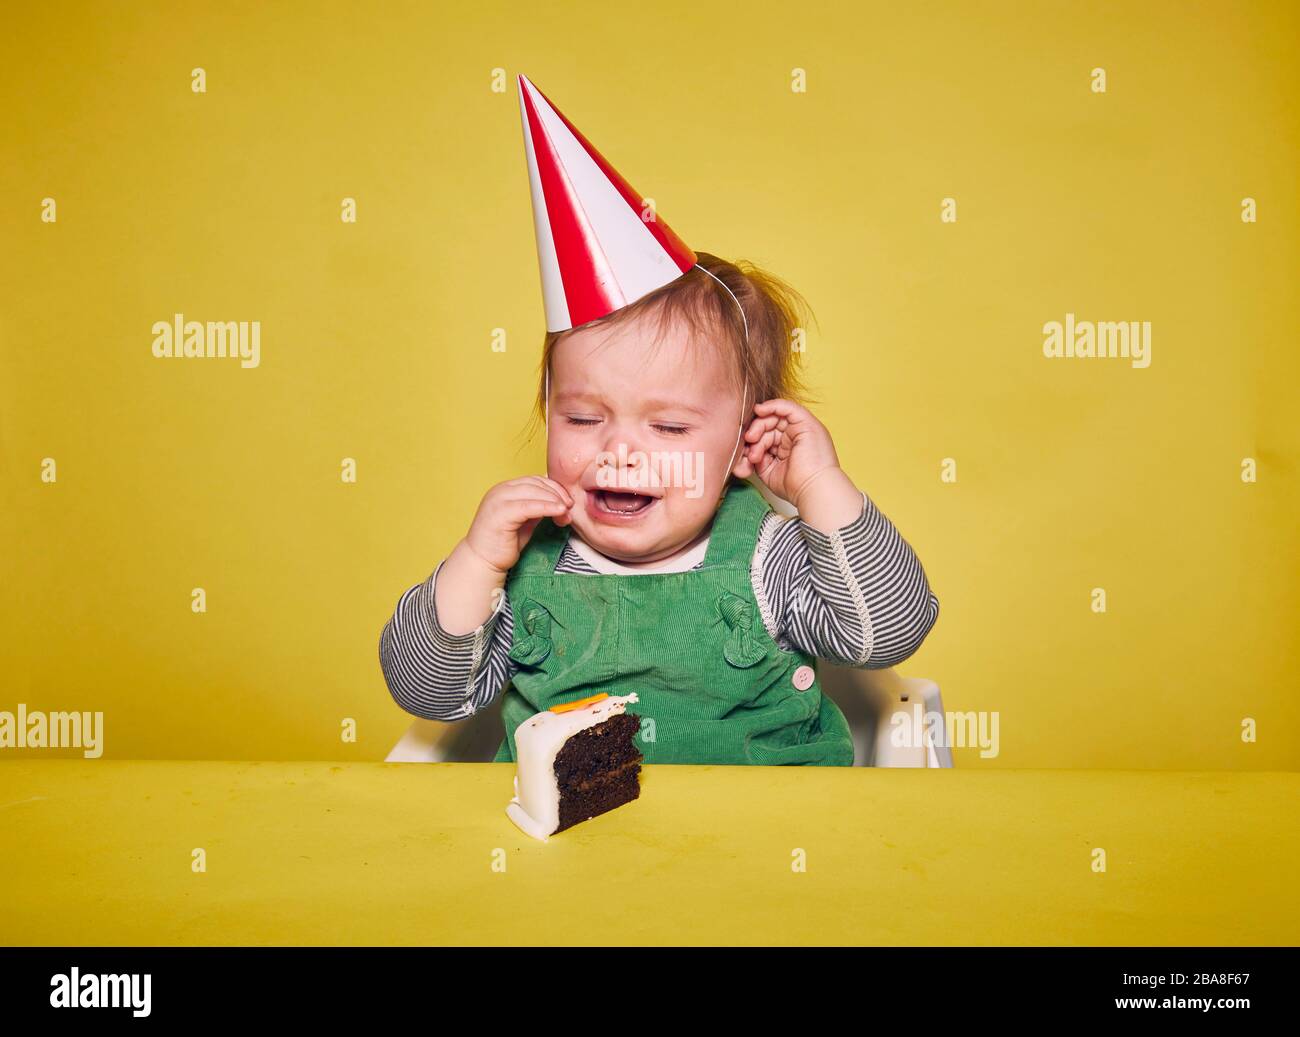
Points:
(535, 807)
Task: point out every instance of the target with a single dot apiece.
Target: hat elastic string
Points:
(743, 392)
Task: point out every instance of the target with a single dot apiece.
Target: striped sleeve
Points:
(572, 562)
(440, 676)
(856, 596)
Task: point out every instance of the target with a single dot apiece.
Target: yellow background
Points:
(1072, 474)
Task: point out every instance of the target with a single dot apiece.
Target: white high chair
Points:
(869, 699)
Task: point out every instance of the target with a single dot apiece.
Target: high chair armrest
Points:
(472, 740)
(869, 700)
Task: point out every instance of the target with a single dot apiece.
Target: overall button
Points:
(803, 678)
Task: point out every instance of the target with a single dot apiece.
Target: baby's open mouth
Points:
(618, 503)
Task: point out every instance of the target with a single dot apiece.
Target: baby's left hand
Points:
(787, 448)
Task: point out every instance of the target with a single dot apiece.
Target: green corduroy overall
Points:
(713, 687)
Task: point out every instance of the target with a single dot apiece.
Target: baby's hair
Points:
(774, 310)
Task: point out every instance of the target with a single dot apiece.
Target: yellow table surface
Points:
(99, 852)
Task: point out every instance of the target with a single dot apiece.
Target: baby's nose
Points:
(626, 467)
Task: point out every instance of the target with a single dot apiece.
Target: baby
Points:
(648, 560)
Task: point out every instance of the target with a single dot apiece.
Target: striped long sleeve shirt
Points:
(856, 596)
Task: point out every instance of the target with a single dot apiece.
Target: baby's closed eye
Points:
(672, 430)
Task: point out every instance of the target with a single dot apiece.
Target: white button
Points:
(803, 677)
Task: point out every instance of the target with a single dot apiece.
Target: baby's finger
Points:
(518, 511)
(538, 488)
(771, 438)
(756, 450)
(560, 488)
(788, 414)
(786, 409)
(758, 426)
(542, 481)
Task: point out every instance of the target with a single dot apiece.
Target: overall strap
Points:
(735, 526)
(542, 551)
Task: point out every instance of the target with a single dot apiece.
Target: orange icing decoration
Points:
(564, 707)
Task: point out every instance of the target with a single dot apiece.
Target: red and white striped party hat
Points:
(597, 251)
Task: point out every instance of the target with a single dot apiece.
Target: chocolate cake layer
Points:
(598, 769)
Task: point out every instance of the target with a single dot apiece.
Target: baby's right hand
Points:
(508, 514)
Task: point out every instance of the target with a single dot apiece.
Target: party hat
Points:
(597, 252)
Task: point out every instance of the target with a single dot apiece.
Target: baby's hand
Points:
(787, 448)
(508, 514)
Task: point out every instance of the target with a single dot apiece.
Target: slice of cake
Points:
(575, 761)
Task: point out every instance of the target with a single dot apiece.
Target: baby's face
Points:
(664, 425)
